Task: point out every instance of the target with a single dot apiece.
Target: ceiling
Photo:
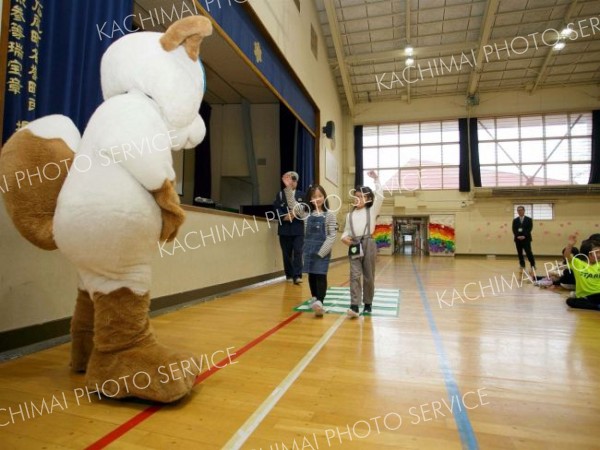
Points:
(366, 41)
(229, 79)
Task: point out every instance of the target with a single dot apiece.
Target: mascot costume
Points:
(114, 200)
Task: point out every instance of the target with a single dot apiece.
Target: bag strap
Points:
(367, 226)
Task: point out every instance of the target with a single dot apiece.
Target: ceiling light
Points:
(559, 45)
(410, 62)
(408, 50)
(566, 32)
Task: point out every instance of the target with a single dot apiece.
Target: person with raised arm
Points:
(360, 225)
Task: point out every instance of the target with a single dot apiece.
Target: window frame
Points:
(530, 210)
(550, 144)
(422, 144)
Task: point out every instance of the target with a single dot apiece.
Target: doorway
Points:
(410, 236)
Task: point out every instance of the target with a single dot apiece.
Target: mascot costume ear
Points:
(105, 199)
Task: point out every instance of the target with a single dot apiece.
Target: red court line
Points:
(148, 412)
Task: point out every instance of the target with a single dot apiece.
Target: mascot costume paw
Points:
(107, 212)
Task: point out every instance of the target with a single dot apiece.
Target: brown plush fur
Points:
(82, 332)
(124, 345)
(188, 32)
(30, 199)
(172, 214)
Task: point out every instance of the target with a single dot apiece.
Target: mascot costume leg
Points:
(114, 201)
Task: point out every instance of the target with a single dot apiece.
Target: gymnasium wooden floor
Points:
(520, 369)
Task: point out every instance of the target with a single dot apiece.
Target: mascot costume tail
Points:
(107, 212)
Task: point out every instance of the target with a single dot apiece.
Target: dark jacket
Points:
(280, 207)
(525, 228)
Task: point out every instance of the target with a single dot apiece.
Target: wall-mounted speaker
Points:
(329, 129)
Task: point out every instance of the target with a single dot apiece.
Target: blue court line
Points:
(467, 435)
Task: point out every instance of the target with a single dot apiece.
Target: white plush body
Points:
(107, 221)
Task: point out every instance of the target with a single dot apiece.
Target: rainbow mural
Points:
(441, 239)
(383, 235)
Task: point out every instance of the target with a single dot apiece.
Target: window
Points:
(410, 156)
(550, 149)
(537, 211)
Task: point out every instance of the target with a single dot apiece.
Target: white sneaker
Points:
(352, 314)
(317, 307)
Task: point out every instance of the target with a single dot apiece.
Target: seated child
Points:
(559, 274)
(586, 273)
(566, 279)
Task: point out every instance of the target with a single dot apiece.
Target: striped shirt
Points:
(299, 210)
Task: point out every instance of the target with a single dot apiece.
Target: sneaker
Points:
(289, 280)
(317, 307)
(367, 309)
(544, 282)
(353, 312)
(297, 280)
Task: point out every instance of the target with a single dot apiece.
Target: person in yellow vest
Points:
(587, 273)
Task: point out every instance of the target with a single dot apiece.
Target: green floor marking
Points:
(386, 302)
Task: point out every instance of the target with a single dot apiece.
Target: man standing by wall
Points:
(521, 228)
(291, 229)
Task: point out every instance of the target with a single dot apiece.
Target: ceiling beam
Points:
(438, 8)
(551, 54)
(339, 52)
(400, 13)
(541, 23)
(484, 37)
(407, 26)
(419, 52)
(362, 19)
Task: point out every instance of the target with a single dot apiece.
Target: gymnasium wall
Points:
(485, 228)
(567, 98)
(483, 225)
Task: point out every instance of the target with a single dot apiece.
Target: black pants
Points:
(524, 245)
(567, 277)
(318, 285)
(589, 302)
(291, 249)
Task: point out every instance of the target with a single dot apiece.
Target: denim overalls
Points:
(316, 234)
